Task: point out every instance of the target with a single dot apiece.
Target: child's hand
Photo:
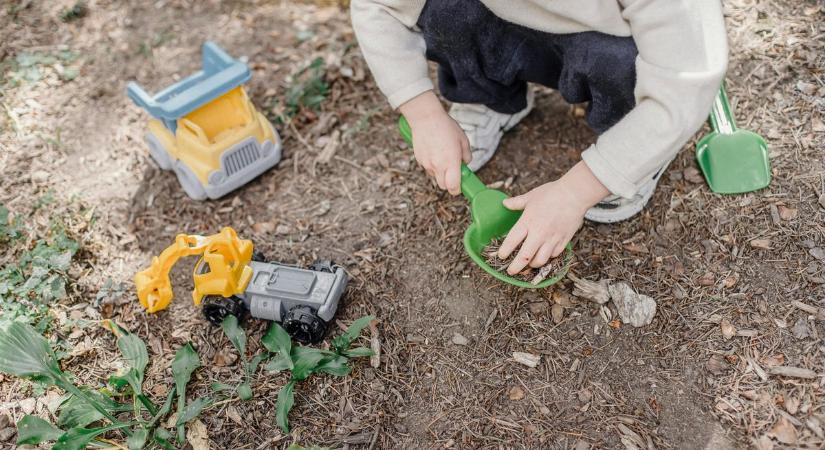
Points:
(553, 212)
(438, 142)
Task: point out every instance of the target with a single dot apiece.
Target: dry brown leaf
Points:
(637, 248)
(197, 435)
(784, 431)
(708, 279)
(717, 364)
(516, 393)
(562, 298)
(787, 213)
(773, 360)
(263, 227)
(728, 330)
(557, 311)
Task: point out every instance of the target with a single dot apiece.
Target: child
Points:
(649, 69)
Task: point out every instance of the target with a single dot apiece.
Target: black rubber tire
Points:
(258, 256)
(303, 324)
(322, 265)
(216, 308)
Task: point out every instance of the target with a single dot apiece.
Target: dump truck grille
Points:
(237, 159)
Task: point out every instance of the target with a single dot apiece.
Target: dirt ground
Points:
(747, 260)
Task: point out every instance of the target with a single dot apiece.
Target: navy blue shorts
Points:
(485, 59)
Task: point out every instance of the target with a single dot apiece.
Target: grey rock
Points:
(636, 309)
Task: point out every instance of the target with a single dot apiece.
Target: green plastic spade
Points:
(490, 220)
(733, 161)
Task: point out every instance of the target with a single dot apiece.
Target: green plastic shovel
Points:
(490, 220)
(733, 161)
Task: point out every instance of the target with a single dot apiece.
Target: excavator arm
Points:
(223, 269)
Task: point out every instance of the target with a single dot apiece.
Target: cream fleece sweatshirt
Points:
(682, 60)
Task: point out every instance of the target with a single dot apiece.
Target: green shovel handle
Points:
(721, 117)
(471, 185)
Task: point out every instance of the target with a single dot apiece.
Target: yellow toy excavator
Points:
(231, 279)
(222, 270)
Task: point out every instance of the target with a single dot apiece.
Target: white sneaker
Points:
(615, 209)
(484, 127)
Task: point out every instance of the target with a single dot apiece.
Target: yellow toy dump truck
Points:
(206, 129)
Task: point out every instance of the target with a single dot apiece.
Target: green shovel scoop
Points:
(733, 161)
(490, 220)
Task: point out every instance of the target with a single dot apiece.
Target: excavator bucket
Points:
(224, 268)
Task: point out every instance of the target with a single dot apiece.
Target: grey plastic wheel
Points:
(157, 152)
(190, 183)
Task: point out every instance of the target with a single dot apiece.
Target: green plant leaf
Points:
(161, 437)
(359, 352)
(244, 391)
(342, 342)
(304, 361)
(134, 352)
(34, 430)
(278, 363)
(74, 412)
(79, 438)
(138, 439)
(336, 366)
(235, 334)
(253, 364)
(286, 398)
(27, 354)
(277, 340)
(186, 361)
(218, 387)
(193, 409)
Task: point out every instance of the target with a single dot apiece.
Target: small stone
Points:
(40, 176)
(800, 329)
(458, 339)
(263, 227)
(528, 359)
(693, 175)
(805, 87)
(764, 244)
(822, 200)
(7, 433)
(635, 309)
(717, 365)
(817, 253)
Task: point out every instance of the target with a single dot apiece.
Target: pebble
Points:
(458, 339)
(635, 309)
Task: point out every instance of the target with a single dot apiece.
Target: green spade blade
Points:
(733, 161)
(490, 220)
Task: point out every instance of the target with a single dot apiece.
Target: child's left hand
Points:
(553, 212)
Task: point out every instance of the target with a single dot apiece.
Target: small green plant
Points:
(78, 11)
(304, 361)
(237, 336)
(36, 276)
(27, 354)
(309, 88)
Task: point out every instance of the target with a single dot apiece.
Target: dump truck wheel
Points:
(304, 325)
(322, 265)
(217, 308)
(258, 256)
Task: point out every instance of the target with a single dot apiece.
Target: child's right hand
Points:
(438, 142)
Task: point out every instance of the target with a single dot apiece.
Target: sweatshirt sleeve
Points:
(394, 51)
(681, 62)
